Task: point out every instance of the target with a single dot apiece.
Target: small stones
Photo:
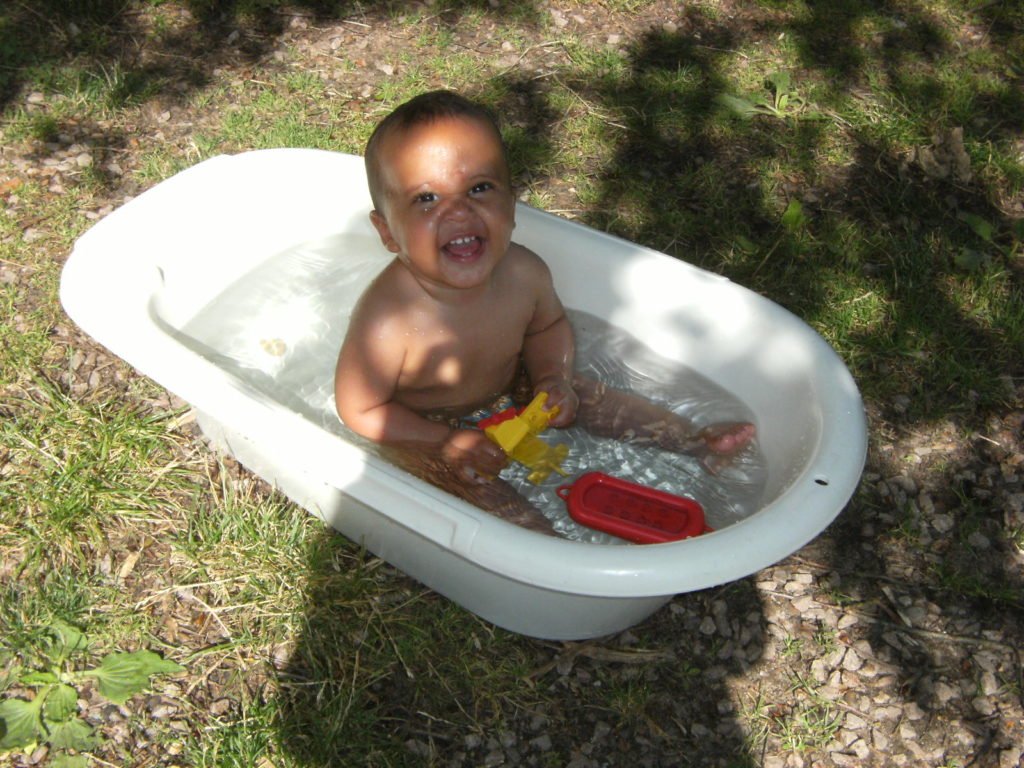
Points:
(990, 686)
(707, 626)
(902, 678)
(984, 706)
(945, 693)
(804, 603)
(541, 743)
(221, 707)
(852, 661)
(978, 540)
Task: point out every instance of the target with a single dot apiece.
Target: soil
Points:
(866, 625)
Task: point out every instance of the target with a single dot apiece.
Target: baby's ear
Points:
(381, 225)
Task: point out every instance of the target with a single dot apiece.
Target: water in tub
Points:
(280, 326)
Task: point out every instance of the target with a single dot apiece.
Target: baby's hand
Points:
(560, 393)
(472, 454)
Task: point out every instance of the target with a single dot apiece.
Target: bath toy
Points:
(143, 280)
(631, 511)
(515, 431)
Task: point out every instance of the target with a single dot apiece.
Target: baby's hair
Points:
(420, 110)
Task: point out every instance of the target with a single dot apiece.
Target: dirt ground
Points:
(859, 626)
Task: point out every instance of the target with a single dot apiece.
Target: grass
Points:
(303, 650)
(807, 727)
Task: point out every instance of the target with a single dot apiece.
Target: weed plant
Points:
(859, 163)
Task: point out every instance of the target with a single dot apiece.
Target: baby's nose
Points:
(458, 208)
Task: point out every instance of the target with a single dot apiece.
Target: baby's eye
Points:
(426, 197)
(483, 186)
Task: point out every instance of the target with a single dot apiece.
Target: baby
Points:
(464, 322)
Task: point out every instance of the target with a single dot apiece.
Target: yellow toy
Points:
(517, 437)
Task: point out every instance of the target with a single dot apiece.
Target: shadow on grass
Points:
(700, 190)
(387, 672)
(405, 667)
(105, 39)
(876, 223)
(884, 225)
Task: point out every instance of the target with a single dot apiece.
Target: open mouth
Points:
(464, 247)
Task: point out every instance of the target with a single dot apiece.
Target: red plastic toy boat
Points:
(633, 512)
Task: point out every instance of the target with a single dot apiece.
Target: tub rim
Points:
(487, 542)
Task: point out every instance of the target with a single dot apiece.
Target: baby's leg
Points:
(624, 416)
(494, 496)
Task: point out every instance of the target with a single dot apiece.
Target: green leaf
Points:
(61, 703)
(39, 678)
(746, 245)
(738, 106)
(73, 734)
(970, 260)
(19, 724)
(64, 760)
(793, 218)
(71, 639)
(779, 82)
(122, 675)
(980, 226)
(1018, 229)
(10, 674)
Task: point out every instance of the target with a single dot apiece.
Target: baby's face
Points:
(449, 210)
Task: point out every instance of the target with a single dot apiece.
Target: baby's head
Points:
(424, 109)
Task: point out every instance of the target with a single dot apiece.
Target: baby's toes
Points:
(727, 439)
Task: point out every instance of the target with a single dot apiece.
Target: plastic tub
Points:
(138, 276)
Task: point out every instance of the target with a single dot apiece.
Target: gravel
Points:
(855, 651)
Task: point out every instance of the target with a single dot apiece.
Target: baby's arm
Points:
(549, 349)
(365, 381)
(364, 387)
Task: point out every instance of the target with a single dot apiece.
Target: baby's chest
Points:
(474, 343)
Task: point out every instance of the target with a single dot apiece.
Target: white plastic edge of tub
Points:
(107, 288)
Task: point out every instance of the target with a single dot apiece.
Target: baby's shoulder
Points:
(524, 263)
(527, 274)
(384, 301)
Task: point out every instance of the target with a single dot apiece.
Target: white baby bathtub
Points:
(136, 278)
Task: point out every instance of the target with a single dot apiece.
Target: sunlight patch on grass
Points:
(326, 653)
(81, 466)
(239, 742)
(991, 303)
(24, 337)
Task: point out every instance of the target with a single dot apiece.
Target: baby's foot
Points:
(723, 442)
(677, 435)
(728, 438)
(715, 445)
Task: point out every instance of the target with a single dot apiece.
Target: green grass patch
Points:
(79, 465)
(24, 335)
(817, 197)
